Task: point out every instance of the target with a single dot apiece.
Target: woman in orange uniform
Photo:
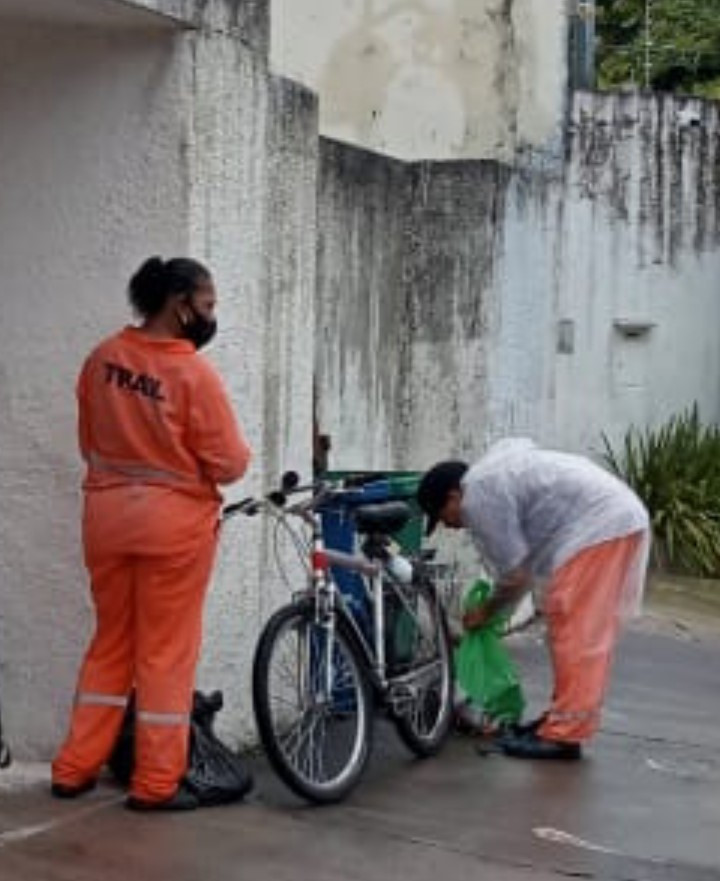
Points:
(158, 434)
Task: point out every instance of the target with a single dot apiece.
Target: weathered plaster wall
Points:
(361, 309)
(495, 264)
(407, 263)
(639, 239)
(115, 145)
(252, 169)
(430, 79)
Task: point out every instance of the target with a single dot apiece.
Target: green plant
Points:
(677, 48)
(675, 470)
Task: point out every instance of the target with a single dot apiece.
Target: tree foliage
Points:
(684, 45)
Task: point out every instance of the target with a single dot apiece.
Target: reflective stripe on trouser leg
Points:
(93, 699)
(147, 718)
(105, 677)
(169, 601)
(582, 610)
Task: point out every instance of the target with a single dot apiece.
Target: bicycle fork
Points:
(326, 604)
(322, 590)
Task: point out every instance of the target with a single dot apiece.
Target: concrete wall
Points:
(361, 308)
(430, 79)
(117, 143)
(252, 171)
(497, 298)
(639, 240)
(406, 265)
(246, 20)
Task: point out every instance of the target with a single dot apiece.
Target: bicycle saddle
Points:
(383, 518)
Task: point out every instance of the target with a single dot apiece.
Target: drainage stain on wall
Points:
(655, 162)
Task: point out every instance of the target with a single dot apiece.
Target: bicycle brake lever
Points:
(236, 507)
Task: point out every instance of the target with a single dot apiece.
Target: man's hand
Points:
(476, 618)
(507, 594)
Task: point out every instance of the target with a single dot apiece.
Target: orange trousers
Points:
(149, 624)
(582, 608)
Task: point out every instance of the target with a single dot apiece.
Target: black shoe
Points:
(183, 800)
(62, 790)
(520, 729)
(530, 746)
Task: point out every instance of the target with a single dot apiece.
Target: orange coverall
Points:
(158, 434)
(582, 607)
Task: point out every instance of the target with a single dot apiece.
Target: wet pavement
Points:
(643, 804)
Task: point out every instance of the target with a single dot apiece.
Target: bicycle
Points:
(320, 670)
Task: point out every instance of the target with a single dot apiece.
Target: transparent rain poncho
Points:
(526, 506)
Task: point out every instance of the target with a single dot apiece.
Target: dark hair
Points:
(435, 486)
(157, 280)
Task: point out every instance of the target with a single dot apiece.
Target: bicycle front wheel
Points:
(313, 706)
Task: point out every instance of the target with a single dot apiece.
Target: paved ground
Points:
(645, 804)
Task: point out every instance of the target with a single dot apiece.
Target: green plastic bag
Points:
(483, 667)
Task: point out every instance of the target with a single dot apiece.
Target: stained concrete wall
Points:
(406, 265)
(246, 20)
(502, 298)
(430, 79)
(639, 241)
(116, 144)
(252, 171)
(361, 308)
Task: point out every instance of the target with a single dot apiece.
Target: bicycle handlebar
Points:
(322, 493)
(277, 499)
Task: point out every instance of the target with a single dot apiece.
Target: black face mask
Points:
(199, 330)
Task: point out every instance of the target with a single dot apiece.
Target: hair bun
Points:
(147, 287)
(158, 279)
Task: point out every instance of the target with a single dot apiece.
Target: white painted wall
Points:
(115, 144)
(429, 79)
(91, 176)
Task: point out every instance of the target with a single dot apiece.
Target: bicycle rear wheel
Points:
(420, 693)
(312, 705)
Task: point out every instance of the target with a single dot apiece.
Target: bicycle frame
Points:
(329, 600)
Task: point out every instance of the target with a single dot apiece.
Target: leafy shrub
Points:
(676, 472)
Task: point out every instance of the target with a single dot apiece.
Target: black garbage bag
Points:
(5, 757)
(215, 774)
